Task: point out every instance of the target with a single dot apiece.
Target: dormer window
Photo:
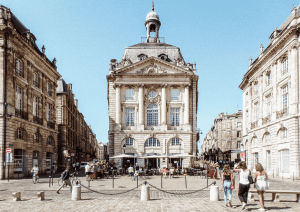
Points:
(142, 56)
(163, 57)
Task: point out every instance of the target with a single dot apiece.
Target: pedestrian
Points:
(87, 171)
(65, 179)
(165, 171)
(92, 171)
(137, 170)
(130, 171)
(261, 184)
(244, 184)
(227, 184)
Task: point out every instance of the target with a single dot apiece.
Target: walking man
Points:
(65, 179)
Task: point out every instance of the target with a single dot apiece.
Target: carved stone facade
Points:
(27, 100)
(271, 102)
(152, 103)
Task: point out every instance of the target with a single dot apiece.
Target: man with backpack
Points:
(65, 179)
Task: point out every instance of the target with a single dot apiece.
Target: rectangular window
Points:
(284, 133)
(255, 158)
(129, 141)
(175, 141)
(239, 124)
(35, 106)
(175, 94)
(238, 134)
(19, 68)
(19, 98)
(269, 79)
(285, 66)
(238, 144)
(256, 108)
(175, 116)
(36, 79)
(269, 106)
(129, 116)
(49, 112)
(285, 95)
(49, 89)
(129, 94)
(256, 88)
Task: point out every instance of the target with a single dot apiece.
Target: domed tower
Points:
(152, 24)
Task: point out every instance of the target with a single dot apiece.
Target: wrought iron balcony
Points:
(266, 119)
(174, 127)
(153, 127)
(254, 124)
(50, 125)
(21, 114)
(282, 113)
(37, 120)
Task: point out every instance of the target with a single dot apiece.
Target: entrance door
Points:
(18, 160)
(285, 163)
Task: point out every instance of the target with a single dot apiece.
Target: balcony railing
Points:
(152, 40)
(21, 114)
(282, 113)
(266, 119)
(128, 127)
(153, 127)
(50, 125)
(254, 124)
(173, 127)
(37, 120)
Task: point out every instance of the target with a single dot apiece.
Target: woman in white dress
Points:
(261, 184)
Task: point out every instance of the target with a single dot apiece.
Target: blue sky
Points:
(219, 35)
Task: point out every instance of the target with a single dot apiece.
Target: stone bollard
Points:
(214, 193)
(76, 192)
(16, 196)
(145, 192)
(41, 195)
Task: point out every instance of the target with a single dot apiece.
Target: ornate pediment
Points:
(152, 68)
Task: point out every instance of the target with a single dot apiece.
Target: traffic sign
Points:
(8, 150)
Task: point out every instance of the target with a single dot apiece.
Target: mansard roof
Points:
(62, 86)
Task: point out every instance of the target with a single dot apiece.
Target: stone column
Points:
(118, 103)
(163, 104)
(141, 104)
(186, 104)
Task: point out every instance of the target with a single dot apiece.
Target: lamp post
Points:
(124, 146)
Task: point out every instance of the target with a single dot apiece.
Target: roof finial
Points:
(153, 6)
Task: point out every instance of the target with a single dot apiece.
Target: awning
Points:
(184, 155)
(124, 156)
(155, 156)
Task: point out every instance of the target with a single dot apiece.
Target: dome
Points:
(152, 15)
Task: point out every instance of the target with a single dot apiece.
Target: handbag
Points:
(250, 178)
(232, 187)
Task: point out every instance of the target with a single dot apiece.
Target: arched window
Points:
(50, 140)
(142, 56)
(20, 133)
(152, 115)
(283, 133)
(129, 141)
(36, 137)
(152, 142)
(175, 141)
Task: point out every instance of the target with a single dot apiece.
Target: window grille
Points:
(175, 116)
(175, 141)
(175, 94)
(152, 142)
(129, 94)
(129, 116)
(36, 79)
(19, 68)
(129, 141)
(49, 89)
(152, 115)
(285, 96)
(285, 66)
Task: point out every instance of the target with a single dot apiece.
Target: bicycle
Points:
(35, 178)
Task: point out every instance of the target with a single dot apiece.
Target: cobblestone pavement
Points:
(130, 201)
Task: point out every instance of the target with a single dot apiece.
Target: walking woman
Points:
(227, 181)
(244, 184)
(261, 184)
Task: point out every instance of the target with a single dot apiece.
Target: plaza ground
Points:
(160, 201)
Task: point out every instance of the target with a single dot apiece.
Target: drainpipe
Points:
(5, 106)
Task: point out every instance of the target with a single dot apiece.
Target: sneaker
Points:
(244, 206)
(262, 209)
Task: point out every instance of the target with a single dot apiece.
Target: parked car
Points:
(83, 164)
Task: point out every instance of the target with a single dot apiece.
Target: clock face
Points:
(152, 94)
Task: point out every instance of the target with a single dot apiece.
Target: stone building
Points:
(224, 137)
(74, 134)
(27, 100)
(271, 102)
(152, 100)
(102, 151)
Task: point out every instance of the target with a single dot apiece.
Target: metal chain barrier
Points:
(183, 193)
(123, 192)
